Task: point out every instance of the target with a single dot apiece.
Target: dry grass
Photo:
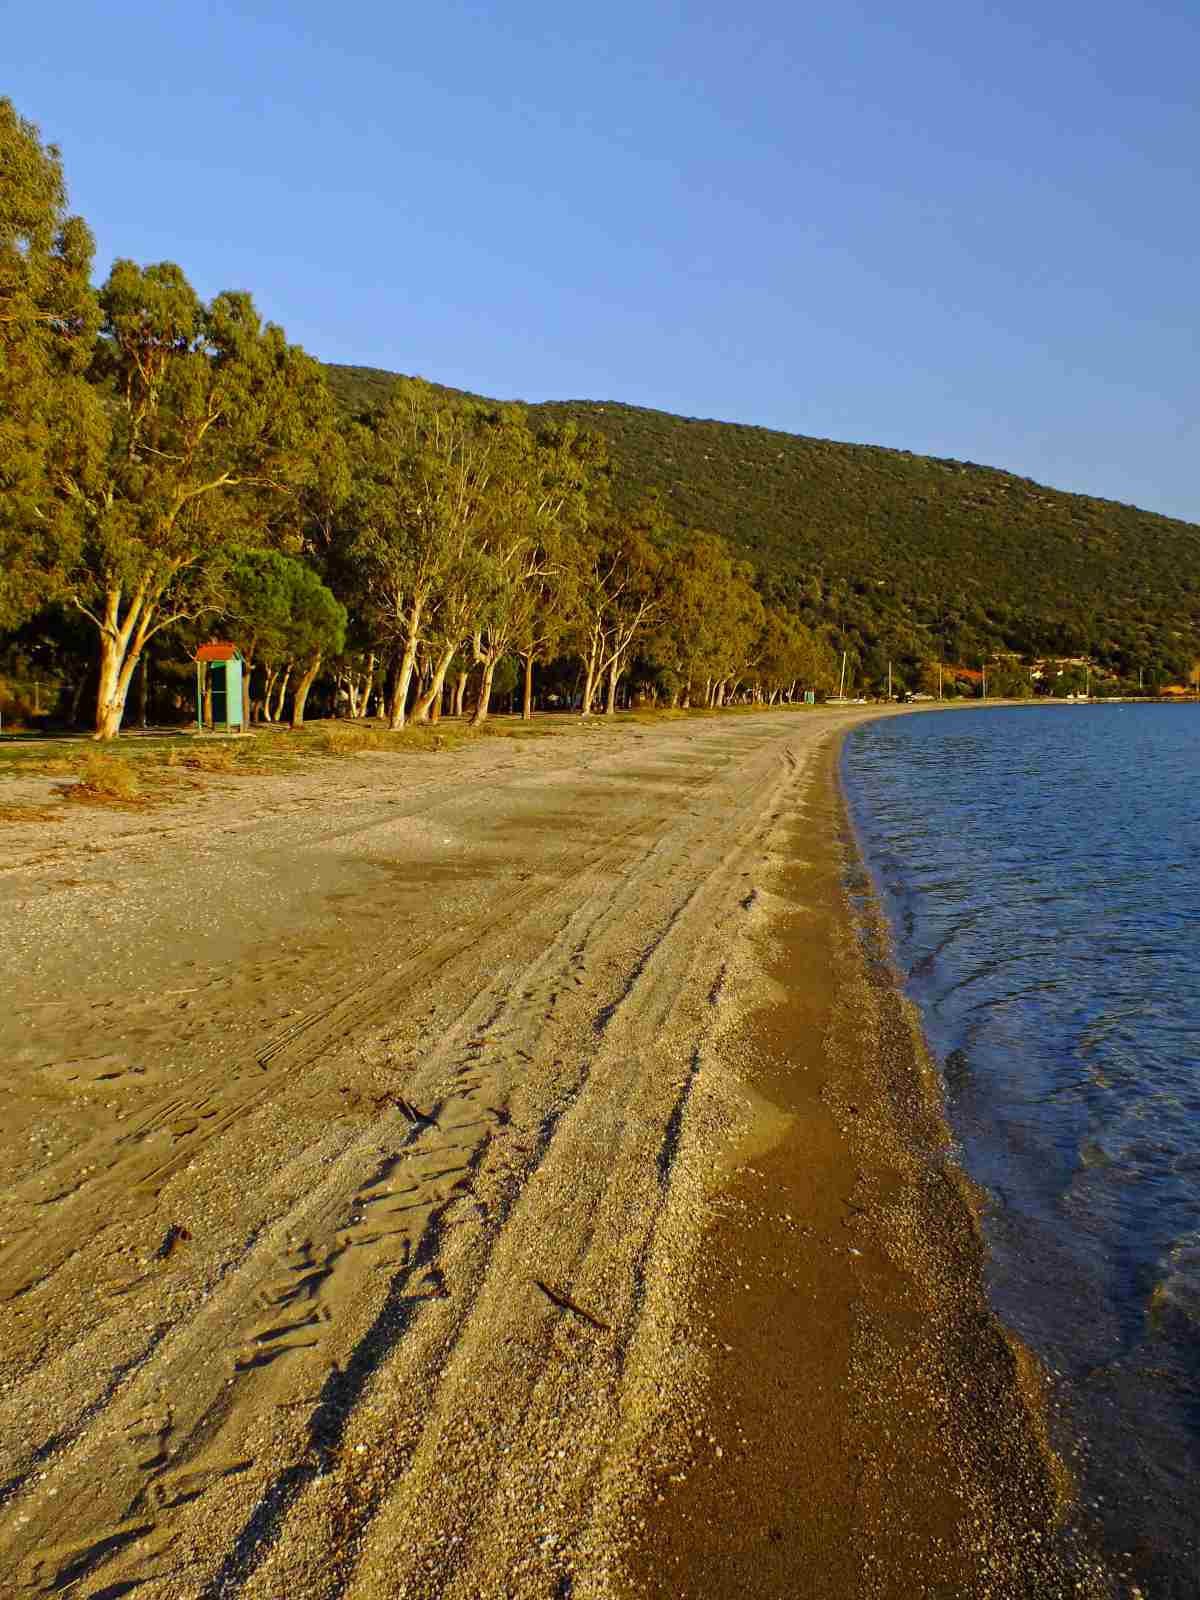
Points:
(203, 758)
(18, 814)
(524, 730)
(349, 738)
(102, 779)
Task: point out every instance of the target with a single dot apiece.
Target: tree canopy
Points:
(48, 322)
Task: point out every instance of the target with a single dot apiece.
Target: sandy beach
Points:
(504, 1172)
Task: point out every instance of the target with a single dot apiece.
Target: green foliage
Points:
(280, 611)
(48, 321)
(317, 624)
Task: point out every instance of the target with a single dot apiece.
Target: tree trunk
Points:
(368, 681)
(396, 714)
(121, 645)
(527, 693)
(591, 663)
(610, 699)
(77, 699)
(479, 715)
(115, 674)
(271, 677)
(301, 694)
(206, 711)
(144, 689)
(281, 694)
(432, 696)
(460, 693)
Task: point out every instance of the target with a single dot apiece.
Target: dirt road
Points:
(361, 1130)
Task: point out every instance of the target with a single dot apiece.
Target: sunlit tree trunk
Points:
(527, 692)
(412, 629)
(460, 693)
(271, 677)
(484, 699)
(121, 645)
(281, 693)
(432, 696)
(300, 697)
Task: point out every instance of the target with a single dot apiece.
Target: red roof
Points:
(217, 650)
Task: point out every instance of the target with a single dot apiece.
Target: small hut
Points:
(219, 687)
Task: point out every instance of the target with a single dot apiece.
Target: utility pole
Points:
(889, 683)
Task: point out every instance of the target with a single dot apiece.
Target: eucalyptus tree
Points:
(538, 503)
(786, 656)
(740, 613)
(206, 403)
(468, 587)
(549, 604)
(684, 644)
(421, 474)
(49, 416)
(546, 615)
(620, 594)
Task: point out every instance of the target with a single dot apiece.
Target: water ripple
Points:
(1038, 868)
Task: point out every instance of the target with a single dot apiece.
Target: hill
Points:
(907, 556)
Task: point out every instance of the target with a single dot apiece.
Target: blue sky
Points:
(959, 229)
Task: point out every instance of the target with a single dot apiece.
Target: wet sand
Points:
(868, 1426)
(503, 1173)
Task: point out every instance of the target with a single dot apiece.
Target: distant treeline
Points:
(173, 470)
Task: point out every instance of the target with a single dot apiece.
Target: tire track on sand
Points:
(430, 1512)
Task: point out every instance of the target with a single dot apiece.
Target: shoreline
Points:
(880, 1432)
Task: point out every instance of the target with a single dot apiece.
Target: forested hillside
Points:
(906, 556)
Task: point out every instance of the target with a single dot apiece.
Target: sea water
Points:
(1039, 866)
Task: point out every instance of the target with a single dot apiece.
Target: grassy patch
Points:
(102, 779)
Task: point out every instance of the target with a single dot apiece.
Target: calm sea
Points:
(1040, 869)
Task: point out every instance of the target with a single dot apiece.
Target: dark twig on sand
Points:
(565, 1303)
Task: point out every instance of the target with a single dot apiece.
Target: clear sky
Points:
(961, 229)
